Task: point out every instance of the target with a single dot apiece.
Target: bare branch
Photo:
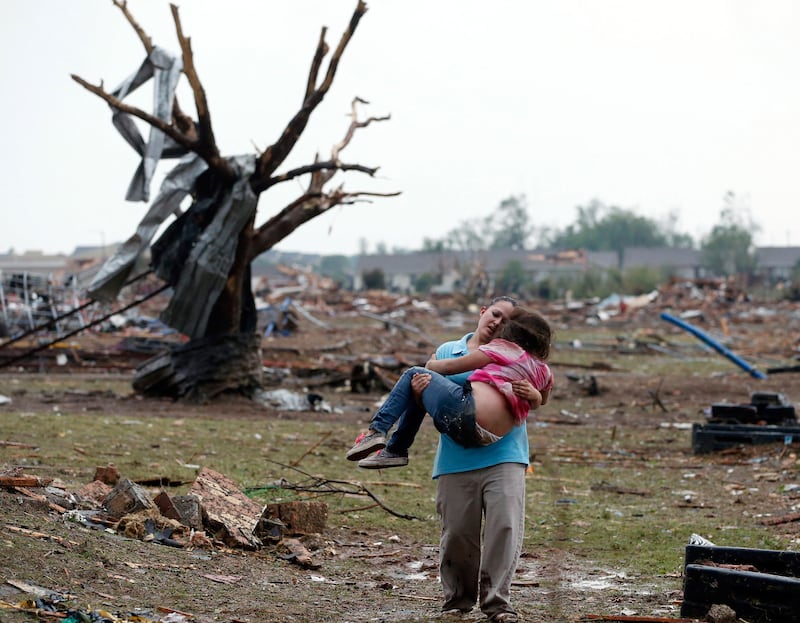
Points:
(205, 131)
(136, 112)
(354, 125)
(322, 50)
(147, 42)
(182, 121)
(346, 36)
(323, 486)
(328, 165)
(276, 153)
(325, 170)
(282, 224)
(315, 200)
(215, 161)
(300, 211)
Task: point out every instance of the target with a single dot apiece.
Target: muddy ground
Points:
(396, 580)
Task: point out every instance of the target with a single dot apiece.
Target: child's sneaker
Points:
(383, 459)
(366, 444)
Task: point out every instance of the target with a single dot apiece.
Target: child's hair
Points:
(529, 330)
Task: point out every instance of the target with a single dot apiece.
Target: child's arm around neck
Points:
(471, 361)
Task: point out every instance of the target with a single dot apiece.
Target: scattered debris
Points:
(587, 382)
(292, 401)
(108, 474)
(214, 505)
(52, 605)
(22, 481)
(294, 551)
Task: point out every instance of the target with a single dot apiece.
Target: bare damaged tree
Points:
(206, 252)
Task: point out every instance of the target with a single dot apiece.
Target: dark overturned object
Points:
(768, 418)
(712, 437)
(764, 408)
(761, 586)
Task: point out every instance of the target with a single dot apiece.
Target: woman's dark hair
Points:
(503, 299)
(530, 330)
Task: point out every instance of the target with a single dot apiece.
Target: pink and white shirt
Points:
(511, 362)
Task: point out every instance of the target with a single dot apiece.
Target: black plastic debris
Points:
(761, 586)
(587, 381)
(763, 408)
(713, 437)
(768, 418)
(162, 536)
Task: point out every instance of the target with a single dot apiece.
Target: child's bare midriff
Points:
(491, 409)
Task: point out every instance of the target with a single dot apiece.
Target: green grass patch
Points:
(622, 498)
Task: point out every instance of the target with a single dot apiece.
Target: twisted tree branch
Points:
(181, 120)
(205, 130)
(319, 54)
(276, 153)
(315, 200)
(147, 42)
(325, 486)
(212, 157)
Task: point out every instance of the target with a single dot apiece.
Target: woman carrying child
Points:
(485, 408)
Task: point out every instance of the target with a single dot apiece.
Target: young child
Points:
(485, 408)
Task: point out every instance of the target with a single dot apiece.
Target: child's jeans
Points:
(451, 406)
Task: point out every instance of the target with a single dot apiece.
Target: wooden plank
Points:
(24, 481)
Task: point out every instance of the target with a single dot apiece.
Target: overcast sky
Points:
(654, 106)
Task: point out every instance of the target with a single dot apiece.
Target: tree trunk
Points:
(205, 253)
(226, 357)
(203, 368)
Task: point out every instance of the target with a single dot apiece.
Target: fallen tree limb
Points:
(17, 444)
(324, 486)
(40, 535)
(634, 619)
(40, 498)
(775, 521)
(296, 462)
(24, 481)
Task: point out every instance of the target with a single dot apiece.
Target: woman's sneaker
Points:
(366, 444)
(383, 459)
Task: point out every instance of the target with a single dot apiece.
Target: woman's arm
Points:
(471, 361)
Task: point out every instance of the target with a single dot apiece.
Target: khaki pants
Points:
(496, 496)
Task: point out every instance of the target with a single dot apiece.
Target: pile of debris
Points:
(213, 514)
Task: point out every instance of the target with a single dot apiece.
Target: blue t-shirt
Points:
(451, 457)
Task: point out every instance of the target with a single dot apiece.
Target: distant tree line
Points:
(727, 250)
